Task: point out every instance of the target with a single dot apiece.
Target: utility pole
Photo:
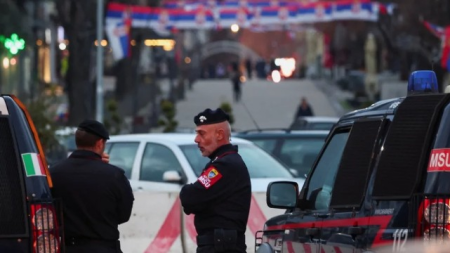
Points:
(99, 99)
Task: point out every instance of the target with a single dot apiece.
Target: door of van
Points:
(304, 234)
(344, 225)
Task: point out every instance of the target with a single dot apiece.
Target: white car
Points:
(313, 123)
(163, 162)
(158, 165)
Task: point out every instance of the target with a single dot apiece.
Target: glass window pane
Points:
(300, 154)
(195, 158)
(322, 180)
(156, 160)
(259, 163)
(122, 155)
(267, 144)
(321, 126)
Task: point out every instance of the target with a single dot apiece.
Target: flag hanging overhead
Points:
(208, 14)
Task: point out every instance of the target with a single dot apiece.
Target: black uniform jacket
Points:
(221, 196)
(96, 196)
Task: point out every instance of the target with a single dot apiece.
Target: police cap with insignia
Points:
(94, 127)
(209, 116)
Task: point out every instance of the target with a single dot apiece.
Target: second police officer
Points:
(96, 195)
(220, 198)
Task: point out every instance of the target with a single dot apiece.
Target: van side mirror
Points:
(282, 194)
(173, 176)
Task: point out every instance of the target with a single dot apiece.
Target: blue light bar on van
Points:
(422, 81)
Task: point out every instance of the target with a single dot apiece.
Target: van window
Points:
(300, 154)
(322, 179)
(122, 155)
(267, 144)
(156, 160)
(259, 163)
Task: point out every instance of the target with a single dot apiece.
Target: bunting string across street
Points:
(247, 14)
(256, 15)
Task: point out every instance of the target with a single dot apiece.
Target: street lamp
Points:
(235, 28)
(5, 63)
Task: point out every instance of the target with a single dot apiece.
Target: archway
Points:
(231, 47)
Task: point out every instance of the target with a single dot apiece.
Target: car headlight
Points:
(437, 213)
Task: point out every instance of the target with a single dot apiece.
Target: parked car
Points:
(296, 149)
(163, 162)
(66, 137)
(313, 123)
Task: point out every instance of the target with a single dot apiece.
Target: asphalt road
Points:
(271, 105)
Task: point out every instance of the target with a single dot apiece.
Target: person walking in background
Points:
(304, 109)
(220, 70)
(236, 81)
(96, 196)
(249, 67)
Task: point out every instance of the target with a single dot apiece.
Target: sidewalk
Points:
(337, 97)
(264, 104)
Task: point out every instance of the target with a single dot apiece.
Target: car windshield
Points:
(259, 163)
(301, 124)
(321, 126)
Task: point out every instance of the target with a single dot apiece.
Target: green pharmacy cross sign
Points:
(13, 44)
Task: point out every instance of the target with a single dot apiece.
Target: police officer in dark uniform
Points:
(96, 195)
(220, 198)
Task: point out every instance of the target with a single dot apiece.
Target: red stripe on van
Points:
(381, 221)
(256, 218)
(168, 232)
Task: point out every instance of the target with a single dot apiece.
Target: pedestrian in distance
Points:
(220, 198)
(249, 68)
(96, 196)
(304, 109)
(236, 81)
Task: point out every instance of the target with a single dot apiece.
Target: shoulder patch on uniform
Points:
(209, 177)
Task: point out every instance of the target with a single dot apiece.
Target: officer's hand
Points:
(105, 157)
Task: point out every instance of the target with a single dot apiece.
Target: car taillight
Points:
(436, 233)
(45, 228)
(43, 219)
(434, 216)
(438, 212)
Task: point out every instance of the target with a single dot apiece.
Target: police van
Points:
(30, 219)
(380, 180)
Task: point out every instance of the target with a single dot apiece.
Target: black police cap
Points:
(94, 127)
(209, 116)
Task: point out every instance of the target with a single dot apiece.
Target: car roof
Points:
(282, 132)
(318, 118)
(175, 138)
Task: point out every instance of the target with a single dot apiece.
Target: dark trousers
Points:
(221, 241)
(237, 93)
(88, 246)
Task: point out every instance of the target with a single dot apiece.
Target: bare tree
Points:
(78, 18)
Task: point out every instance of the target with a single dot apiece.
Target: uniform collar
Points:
(79, 153)
(223, 149)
